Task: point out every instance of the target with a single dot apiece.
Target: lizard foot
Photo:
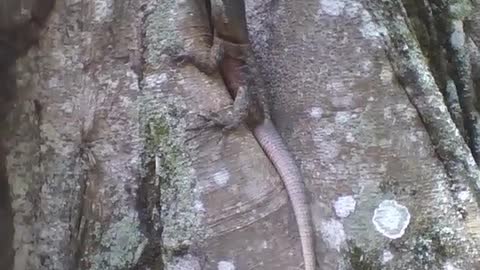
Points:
(213, 120)
(200, 128)
(224, 122)
(227, 122)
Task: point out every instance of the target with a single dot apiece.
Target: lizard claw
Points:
(225, 122)
(214, 120)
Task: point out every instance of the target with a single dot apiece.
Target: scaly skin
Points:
(227, 49)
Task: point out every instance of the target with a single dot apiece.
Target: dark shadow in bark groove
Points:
(6, 216)
(7, 99)
(7, 96)
(148, 199)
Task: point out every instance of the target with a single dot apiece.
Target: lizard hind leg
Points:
(234, 115)
(228, 119)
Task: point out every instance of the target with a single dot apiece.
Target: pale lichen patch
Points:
(391, 219)
(102, 10)
(464, 195)
(343, 117)
(349, 137)
(316, 112)
(457, 38)
(221, 177)
(370, 29)
(450, 266)
(333, 233)
(344, 206)
(225, 265)
(186, 262)
(386, 74)
(332, 7)
(120, 244)
(387, 256)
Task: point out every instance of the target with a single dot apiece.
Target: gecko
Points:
(215, 38)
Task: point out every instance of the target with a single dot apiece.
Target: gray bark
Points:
(104, 175)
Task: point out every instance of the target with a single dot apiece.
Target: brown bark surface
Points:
(104, 175)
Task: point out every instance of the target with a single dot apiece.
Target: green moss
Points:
(361, 260)
(177, 195)
(434, 245)
(460, 9)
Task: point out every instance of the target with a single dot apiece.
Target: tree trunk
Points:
(376, 100)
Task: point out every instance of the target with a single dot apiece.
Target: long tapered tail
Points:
(275, 148)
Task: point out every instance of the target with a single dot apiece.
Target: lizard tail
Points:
(275, 148)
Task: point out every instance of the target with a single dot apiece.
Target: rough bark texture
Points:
(103, 174)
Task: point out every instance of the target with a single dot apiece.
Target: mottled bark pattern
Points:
(20, 25)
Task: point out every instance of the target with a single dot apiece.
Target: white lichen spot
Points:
(224, 265)
(391, 219)
(464, 195)
(344, 206)
(186, 262)
(367, 66)
(158, 165)
(221, 177)
(386, 74)
(450, 266)
(154, 80)
(387, 113)
(332, 7)
(386, 256)
(316, 112)
(333, 233)
(264, 244)
(349, 137)
(102, 10)
(457, 39)
(342, 117)
(198, 206)
(336, 86)
(413, 137)
(67, 107)
(370, 29)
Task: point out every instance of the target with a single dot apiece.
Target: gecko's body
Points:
(216, 38)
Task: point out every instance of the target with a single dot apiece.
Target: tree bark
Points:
(377, 100)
